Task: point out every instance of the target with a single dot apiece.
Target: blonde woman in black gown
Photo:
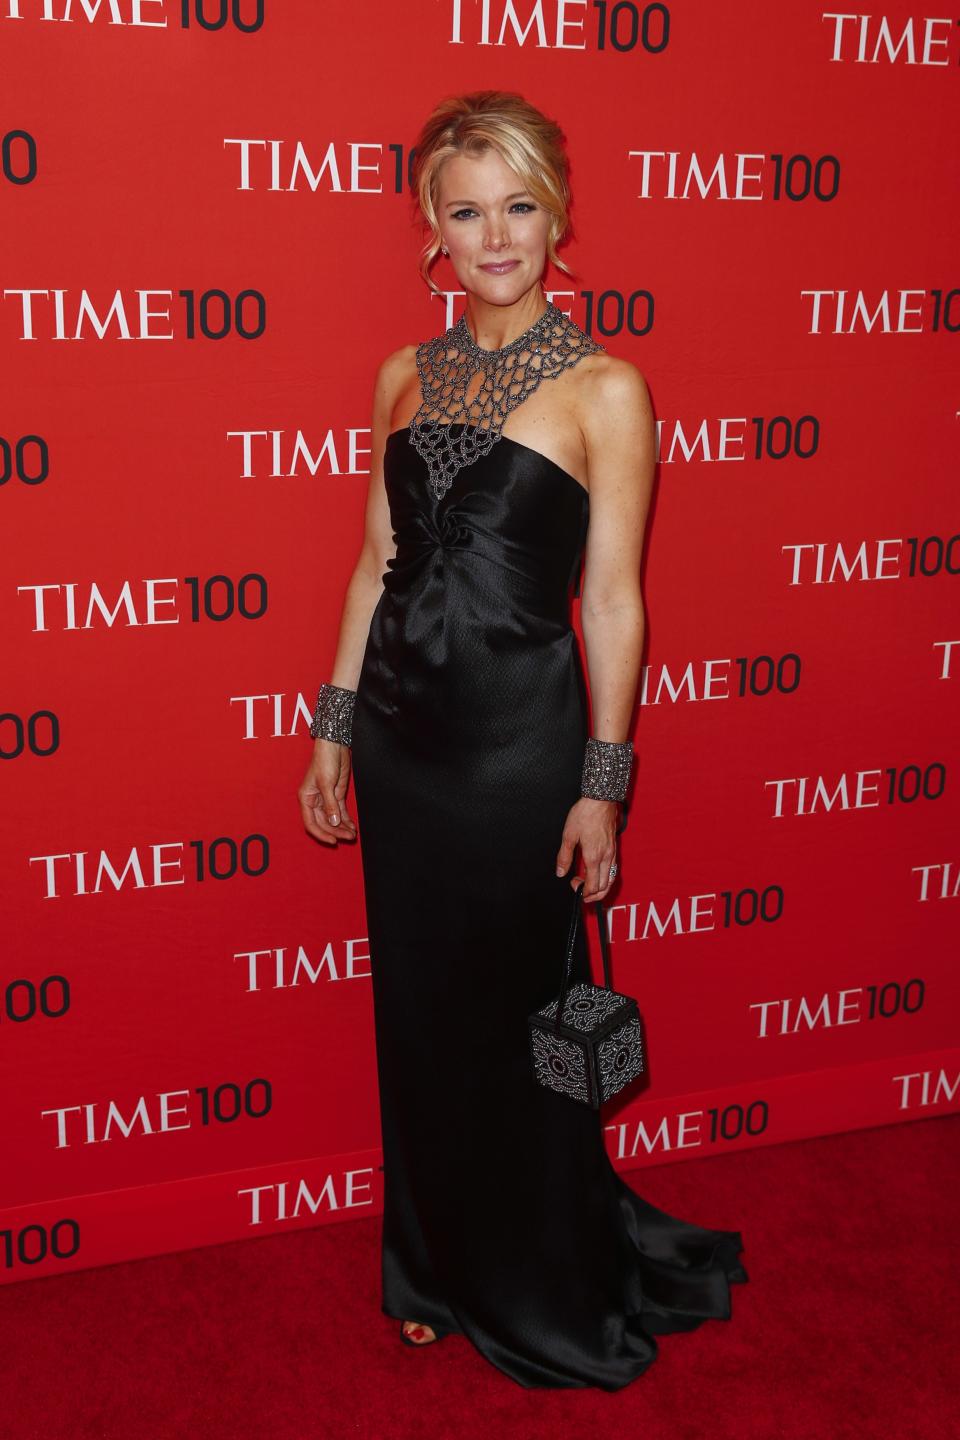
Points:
(504, 453)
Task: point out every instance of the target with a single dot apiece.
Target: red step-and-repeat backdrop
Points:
(209, 247)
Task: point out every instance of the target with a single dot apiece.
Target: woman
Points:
(502, 452)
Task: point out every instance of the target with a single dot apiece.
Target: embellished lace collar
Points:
(453, 365)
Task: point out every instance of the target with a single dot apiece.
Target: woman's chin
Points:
(501, 289)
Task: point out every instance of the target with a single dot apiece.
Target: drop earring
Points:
(444, 249)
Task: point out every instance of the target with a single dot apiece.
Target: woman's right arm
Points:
(323, 791)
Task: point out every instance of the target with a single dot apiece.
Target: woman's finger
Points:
(317, 803)
(590, 883)
(598, 878)
(313, 819)
(347, 830)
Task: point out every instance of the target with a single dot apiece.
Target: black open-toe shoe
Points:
(420, 1344)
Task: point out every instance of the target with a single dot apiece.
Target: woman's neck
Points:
(493, 326)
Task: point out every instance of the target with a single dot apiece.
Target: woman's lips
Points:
(500, 267)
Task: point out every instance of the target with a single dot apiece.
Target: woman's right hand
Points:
(322, 793)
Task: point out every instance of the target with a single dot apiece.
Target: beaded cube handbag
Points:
(588, 1042)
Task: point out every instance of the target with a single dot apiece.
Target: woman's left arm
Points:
(617, 424)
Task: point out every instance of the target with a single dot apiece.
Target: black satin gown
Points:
(504, 1218)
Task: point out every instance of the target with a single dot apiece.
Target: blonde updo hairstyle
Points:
(526, 140)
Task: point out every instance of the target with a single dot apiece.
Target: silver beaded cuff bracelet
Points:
(606, 769)
(333, 717)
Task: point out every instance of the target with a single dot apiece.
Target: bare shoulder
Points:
(395, 375)
(398, 364)
(617, 424)
(612, 392)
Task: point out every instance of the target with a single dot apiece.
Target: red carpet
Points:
(847, 1328)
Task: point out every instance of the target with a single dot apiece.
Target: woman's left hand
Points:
(591, 824)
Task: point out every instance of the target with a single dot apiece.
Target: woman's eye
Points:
(465, 213)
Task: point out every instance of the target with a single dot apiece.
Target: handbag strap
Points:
(571, 938)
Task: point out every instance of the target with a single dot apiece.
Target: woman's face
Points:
(495, 231)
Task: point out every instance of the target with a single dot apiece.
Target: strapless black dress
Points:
(504, 1219)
